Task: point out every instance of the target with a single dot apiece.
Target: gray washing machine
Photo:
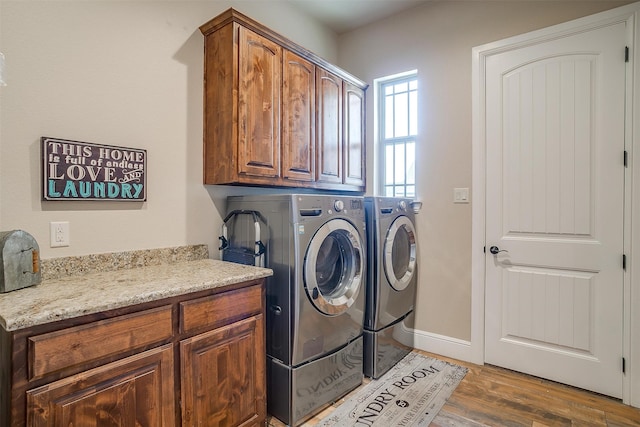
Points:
(315, 300)
(391, 283)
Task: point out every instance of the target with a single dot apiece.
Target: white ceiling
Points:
(345, 15)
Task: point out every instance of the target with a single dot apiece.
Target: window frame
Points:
(383, 142)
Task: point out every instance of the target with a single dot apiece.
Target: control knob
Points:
(402, 205)
(338, 205)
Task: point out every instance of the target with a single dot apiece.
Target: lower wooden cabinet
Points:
(135, 391)
(193, 360)
(219, 373)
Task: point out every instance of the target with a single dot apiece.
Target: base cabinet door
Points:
(223, 376)
(135, 391)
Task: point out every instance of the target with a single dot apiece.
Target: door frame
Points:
(630, 14)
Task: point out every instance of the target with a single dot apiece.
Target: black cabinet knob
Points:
(276, 309)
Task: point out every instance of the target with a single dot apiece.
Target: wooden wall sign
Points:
(73, 170)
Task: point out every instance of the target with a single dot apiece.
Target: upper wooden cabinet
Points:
(275, 114)
(354, 142)
(329, 122)
(298, 120)
(259, 91)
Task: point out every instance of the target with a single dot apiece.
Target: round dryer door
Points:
(400, 253)
(333, 267)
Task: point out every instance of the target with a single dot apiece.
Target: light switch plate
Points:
(460, 195)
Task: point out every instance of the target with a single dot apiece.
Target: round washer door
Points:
(399, 253)
(333, 267)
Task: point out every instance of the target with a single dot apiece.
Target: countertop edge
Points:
(71, 297)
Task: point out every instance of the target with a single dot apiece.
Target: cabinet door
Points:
(354, 132)
(223, 376)
(298, 121)
(135, 391)
(259, 87)
(329, 127)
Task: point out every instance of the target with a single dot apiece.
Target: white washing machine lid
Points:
(333, 267)
(399, 253)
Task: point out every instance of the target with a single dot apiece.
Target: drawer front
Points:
(75, 346)
(218, 310)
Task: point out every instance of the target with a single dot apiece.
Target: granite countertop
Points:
(74, 296)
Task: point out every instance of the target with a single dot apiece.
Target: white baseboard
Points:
(441, 344)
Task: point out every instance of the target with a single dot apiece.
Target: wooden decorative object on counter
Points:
(275, 114)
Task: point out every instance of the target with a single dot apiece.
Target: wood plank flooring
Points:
(493, 396)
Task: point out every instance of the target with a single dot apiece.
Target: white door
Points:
(554, 204)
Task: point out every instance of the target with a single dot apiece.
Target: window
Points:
(398, 129)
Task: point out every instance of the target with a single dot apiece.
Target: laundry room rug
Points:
(410, 394)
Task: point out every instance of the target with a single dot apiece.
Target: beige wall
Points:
(436, 39)
(129, 73)
(125, 73)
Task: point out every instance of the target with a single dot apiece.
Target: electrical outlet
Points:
(59, 234)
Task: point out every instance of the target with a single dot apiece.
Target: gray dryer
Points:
(391, 283)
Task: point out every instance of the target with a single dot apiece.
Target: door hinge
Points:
(624, 366)
(624, 262)
(626, 54)
(626, 158)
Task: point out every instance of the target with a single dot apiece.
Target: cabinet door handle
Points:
(276, 309)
